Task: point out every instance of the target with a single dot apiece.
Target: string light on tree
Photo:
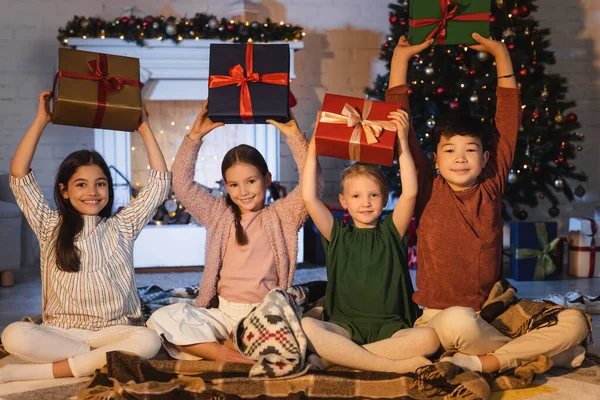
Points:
(559, 183)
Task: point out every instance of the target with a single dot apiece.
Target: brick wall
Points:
(340, 56)
(575, 41)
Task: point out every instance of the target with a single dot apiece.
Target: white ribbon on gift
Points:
(352, 118)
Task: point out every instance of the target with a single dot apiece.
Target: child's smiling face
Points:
(87, 190)
(363, 199)
(460, 160)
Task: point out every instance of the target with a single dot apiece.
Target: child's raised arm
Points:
(319, 213)
(504, 68)
(21, 162)
(508, 114)
(155, 155)
(405, 207)
(403, 52)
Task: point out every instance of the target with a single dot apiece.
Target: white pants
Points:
(183, 324)
(462, 329)
(85, 350)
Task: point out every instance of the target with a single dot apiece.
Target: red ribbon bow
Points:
(236, 77)
(99, 72)
(449, 10)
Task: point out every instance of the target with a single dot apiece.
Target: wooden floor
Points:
(24, 297)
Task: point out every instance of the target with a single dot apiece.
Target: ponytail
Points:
(240, 236)
(274, 189)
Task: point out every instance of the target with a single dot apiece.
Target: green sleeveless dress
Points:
(369, 289)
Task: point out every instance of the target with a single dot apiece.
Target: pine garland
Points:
(201, 26)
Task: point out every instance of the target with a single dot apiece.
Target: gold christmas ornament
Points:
(559, 117)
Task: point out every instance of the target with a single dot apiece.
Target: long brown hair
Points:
(247, 155)
(67, 255)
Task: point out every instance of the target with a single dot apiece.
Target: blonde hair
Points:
(368, 170)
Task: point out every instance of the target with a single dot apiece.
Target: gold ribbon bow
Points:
(545, 264)
(352, 118)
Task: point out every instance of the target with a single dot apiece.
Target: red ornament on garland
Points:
(492, 19)
(524, 11)
(125, 20)
(515, 11)
(393, 19)
(535, 114)
(571, 117)
(440, 90)
(454, 105)
(523, 71)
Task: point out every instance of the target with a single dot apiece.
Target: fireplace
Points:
(176, 85)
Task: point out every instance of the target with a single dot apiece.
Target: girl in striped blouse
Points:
(90, 304)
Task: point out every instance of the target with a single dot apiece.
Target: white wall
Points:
(340, 56)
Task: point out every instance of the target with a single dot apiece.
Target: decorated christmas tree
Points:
(453, 78)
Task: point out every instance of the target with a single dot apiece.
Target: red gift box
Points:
(356, 129)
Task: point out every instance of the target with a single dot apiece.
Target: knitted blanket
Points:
(272, 335)
(154, 297)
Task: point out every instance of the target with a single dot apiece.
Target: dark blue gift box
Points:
(228, 68)
(523, 235)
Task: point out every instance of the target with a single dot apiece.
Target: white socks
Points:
(466, 362)
(25, 372)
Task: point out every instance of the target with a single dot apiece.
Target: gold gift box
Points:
(76, 100)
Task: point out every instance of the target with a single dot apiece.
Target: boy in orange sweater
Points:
(460, 259)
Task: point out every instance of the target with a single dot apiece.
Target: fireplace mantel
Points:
(169, 71)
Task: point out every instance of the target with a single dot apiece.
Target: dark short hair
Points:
(460, 124)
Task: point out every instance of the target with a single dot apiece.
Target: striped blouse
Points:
(103, 293)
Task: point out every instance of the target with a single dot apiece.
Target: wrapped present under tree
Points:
(94, 90)
(356, 129)
(583, 250)
(249, 83)
(448, 21)
(534, 251)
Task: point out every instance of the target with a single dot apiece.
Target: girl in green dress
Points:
(369, 310)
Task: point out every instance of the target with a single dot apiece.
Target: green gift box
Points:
(448, 21)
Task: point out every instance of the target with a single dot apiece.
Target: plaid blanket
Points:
(272, 335)
(129, 377)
